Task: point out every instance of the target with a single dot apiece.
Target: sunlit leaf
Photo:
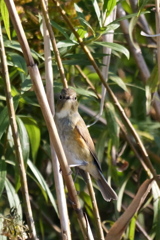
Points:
(5, 17)
(153, 79)
(24, 139)
(66, 43)
(42, 183)
(110, 6)
(114, 46)
(132, 25)
(97, 11)
(82, 19)
(2, 175)
(132, 228)
(84, 92)
(118, 81)
(34, 134)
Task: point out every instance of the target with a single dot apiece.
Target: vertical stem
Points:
(95, 208)
(18, 149)
(157, 2)
(61, 200)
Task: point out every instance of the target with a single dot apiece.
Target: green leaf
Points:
(121, 192)
(108, 28)
(112, 126)
(13, 197)
(60, 29)
(83, 92)
(19, 62)
(118, 81)
(66, 43)
(2, 175)
(82, 19)
(132, 24)
(100, 146)
(132, 228)
(127, 17)
(76, 62)
(24, 139)
(16, 46)
(5, 17)
(110, 6)
(153, 79)
(4, 118)
(42, 183)
(97, 11)
(34, 134)
(114, 46)
(156, 212)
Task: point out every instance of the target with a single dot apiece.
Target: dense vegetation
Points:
(128, 158)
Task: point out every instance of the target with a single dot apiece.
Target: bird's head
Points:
(67, 102)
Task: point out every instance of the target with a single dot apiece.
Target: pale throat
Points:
(65, 110)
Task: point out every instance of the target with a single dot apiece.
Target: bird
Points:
(77, 142)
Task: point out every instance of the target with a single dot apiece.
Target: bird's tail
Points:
(107, 192)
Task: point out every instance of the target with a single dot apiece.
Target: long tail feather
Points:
(107, 192)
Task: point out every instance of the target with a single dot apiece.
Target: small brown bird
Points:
(77, 142)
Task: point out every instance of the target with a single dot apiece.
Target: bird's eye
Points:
(60, 97)
(75, 98)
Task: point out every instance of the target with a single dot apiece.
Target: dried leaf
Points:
(120, 225)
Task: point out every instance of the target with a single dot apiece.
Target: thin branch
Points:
(97, 217)
(18, 149)
(88, 81)
(157, 3)
(42, 99)
(53, 41)
(115, 101)
(59, 186)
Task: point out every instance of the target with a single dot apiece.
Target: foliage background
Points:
(134, 92)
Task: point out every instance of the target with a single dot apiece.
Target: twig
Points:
(59, 186)
(41, 96)
(95, 208)
(87, 80)
(141, 64)
(46, 217)
(126, 121)
(53, 41)
(18, 149)
(157, 3)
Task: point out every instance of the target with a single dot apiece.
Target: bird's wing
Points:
(83, 131)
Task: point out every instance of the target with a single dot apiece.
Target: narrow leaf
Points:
(13, 197)
(118, 81)
(97, 11)
(2, 175)
(23, 139)
(120, 225)
(4, 118)
(110, 5)
(60, 29)
(34, 134)
(66, 43)
(42, 183)
(114, 46)
(5, 17)
(112, 126)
